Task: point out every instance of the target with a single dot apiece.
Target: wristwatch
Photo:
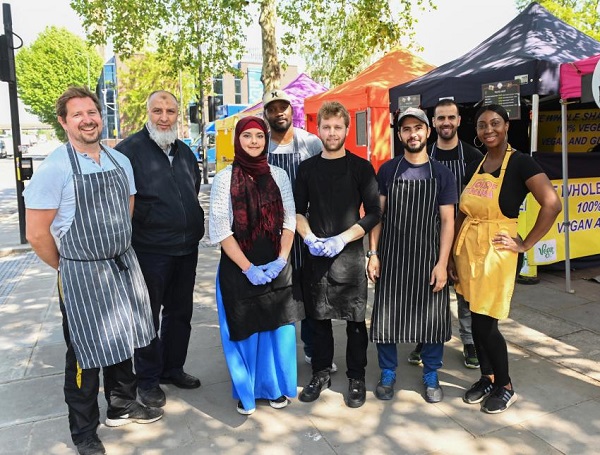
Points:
(372, 253)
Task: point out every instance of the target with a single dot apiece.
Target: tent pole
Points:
(565, 191)
(535, 112)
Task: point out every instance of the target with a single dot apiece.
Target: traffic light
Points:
(193, 112)
(7, 62)
(212, 108)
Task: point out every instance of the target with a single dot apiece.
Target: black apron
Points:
(335, 288)
(103, 289)
(406, 310)
(250, 309)
(289, 162)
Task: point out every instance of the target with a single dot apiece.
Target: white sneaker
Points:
(333, 368)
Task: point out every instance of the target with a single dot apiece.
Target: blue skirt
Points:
(261, 366)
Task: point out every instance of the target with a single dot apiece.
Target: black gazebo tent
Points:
(532, 45)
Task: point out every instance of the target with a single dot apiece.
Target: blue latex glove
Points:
(333, 246)
(274, 268)
(314, 244)
(256, 276)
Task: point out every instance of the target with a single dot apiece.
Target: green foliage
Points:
(201, 37)
(339, 39)
(142, 74)
(581, 14)
(53, 62)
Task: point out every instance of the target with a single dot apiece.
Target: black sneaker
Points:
(91, 446)
(141, 414)
(246, 412)
(385, 386)
(499, 400)
(279, 403)
(478, 391)
(153, 397)
(181, 380)
(319, 382)
(470, 355)
(414, 358)
(357, 393)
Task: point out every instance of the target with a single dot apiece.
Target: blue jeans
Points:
(464, 320)
(431, 355)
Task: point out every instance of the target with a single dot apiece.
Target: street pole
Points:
(14, 115)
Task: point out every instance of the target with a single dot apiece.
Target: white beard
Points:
(162, 138)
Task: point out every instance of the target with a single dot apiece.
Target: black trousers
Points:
(82, 386)
(170, 281)
(491, 348)
(356, 346)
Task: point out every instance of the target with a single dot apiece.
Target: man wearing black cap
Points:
(408, 256)
(288, 147)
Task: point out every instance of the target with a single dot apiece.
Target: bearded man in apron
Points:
(330, 189)
(408, 257)
(79, 206)
(456, 155)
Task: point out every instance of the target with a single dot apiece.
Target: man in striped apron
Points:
(79, 206)
(408, 257)
(288, 147)
(455, 154)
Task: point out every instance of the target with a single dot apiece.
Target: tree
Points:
(581, 14)
(339, 39)
(143, 73)
(205, 35)
(53, 62)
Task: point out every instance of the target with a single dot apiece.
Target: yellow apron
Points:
(486, 275)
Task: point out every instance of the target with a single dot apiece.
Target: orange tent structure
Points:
(367, 99)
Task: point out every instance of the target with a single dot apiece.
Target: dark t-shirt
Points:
(470, 153)
(404, 170)
(513, 190)
(332, 191)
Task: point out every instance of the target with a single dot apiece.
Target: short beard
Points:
(414, 149)
(280, 128)
(452, 134)
(162, 138)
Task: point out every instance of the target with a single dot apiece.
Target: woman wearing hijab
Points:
(486, 247)
(252, 215)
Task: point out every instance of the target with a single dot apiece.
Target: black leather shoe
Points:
(319, 382)
(357, 393)
(181, 380)
(153, 397)
(91, 446)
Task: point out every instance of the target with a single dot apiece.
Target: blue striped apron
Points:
(289, 162)
(103, 289)
(457, 167)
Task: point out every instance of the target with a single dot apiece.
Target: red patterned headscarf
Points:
(255, 197)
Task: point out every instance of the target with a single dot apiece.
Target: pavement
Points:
(554, 350)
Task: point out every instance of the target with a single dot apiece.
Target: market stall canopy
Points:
(370, 88)
(532, 45)
(299, 89)
(571, 74)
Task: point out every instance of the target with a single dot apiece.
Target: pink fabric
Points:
(570, 76)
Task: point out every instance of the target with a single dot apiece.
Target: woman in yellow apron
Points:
(486, 247)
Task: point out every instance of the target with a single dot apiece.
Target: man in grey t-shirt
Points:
(288, 147)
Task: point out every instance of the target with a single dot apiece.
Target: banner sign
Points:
(583, 130)
(584, 223)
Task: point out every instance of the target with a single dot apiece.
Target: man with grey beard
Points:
(168, 224)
